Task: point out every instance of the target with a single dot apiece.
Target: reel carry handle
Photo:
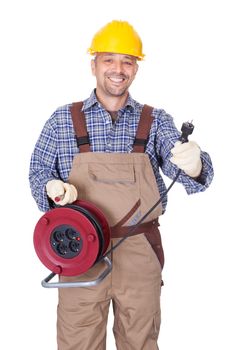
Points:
(81, 284)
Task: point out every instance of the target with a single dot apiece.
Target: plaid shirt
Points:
(56, 147)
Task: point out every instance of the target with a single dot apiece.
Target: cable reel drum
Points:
(69, 240)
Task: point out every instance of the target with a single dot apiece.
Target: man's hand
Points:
(187, 157)
(60, 192)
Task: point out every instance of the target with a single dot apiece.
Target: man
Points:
(108, 150)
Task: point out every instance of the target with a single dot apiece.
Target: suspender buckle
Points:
(83, 140)
(141, 143)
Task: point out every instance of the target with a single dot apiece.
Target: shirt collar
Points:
(92, 100)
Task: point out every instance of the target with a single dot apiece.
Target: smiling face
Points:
(114, 74)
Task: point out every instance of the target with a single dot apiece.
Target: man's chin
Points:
(117, 92)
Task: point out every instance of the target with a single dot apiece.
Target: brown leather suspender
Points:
(143, 129)
(80, 128)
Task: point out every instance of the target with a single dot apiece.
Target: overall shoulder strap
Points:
(143, 129)
(80, 128)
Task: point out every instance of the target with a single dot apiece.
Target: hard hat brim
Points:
(93, 52)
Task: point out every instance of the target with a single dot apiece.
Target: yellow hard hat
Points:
(117, 37)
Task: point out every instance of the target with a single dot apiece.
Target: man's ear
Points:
(93, 63)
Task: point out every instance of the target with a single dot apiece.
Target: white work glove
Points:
(60, 192)
(187, 157)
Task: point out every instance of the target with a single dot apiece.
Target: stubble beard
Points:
(115, 91)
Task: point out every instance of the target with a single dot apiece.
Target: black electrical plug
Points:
(186, 130)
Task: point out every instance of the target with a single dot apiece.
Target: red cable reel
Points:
(69, 240)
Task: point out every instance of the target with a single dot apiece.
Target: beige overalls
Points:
(123, 186)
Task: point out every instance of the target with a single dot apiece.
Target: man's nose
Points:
(118, 67)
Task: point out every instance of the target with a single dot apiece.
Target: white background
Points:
(188, 72)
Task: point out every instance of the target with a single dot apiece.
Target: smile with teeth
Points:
(116, 80)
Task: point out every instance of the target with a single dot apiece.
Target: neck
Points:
(112, 103)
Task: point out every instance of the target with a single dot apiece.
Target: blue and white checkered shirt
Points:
(56, 147)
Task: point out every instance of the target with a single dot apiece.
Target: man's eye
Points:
(128, 63)
(108, 60)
